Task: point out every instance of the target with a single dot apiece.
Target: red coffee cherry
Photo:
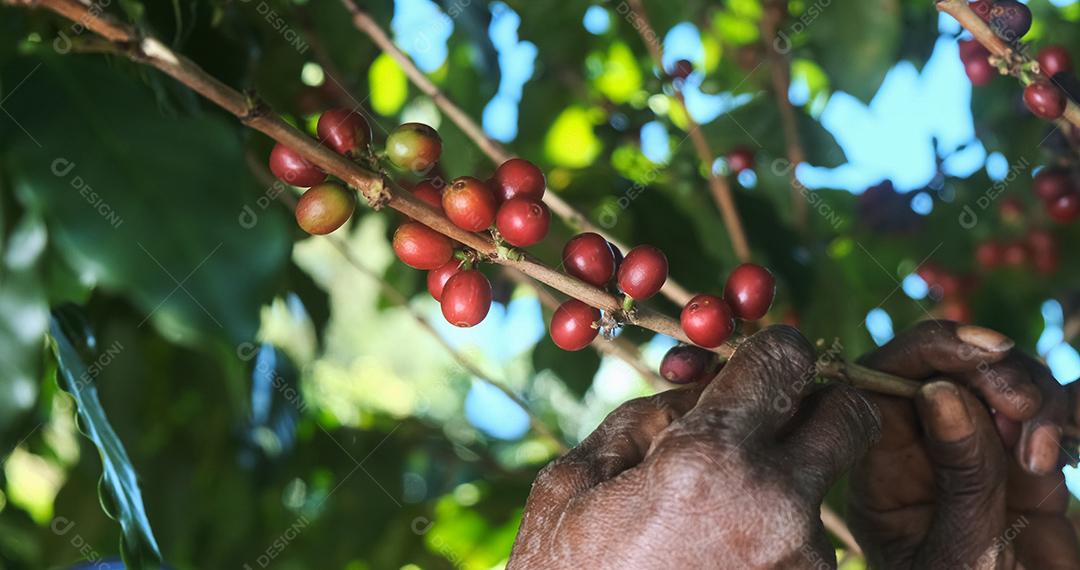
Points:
(466, 298)
(325, 208)
(437, 278)
(1015, 254)
(682, 69)
(1045, 100)
(982, 8)
(572, 325)
(518, 177)
(1054, 59)
(989, 255)
(979, 71)
(1051, 183)
(523, 221)
(427, 191)
(344, 130)
(469, 203)
(1065, 208)
(292, 168)
(421, 247)
(588, 257)
(414, 146)
(707, 320)
(643, 272)
(1043, 249)
(749, 291)
(740, 159)
(954, 309)
(1010, 19)
(684, 364)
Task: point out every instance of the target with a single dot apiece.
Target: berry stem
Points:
(981, 31)
(627, 304)
(363, 22)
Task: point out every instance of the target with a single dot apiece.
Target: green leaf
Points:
(143, 204)
(855, 41)
(119, 486)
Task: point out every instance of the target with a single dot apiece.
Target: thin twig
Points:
(718, 185)
(492, 149)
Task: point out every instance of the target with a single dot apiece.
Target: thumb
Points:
(969, 475)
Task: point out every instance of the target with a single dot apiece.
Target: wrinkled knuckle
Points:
(561, 478)
(862, 416)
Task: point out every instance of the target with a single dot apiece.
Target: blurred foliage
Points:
(277, 407)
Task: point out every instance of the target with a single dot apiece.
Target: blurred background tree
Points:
(255, 397)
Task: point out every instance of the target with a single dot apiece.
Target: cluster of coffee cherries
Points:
(1056, 188)
(950, 290)
(1036, 249)
(1010, 20)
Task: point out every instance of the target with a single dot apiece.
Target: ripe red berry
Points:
(325, 208)
(682, 69)
(523, 221)
(470, 204)
(344, 130)
(707, 320)
(421, 247)
(572, 325)
(740, 159)
(1045, 100)
(956, 310)
(979, 70)
(1041, 240)
(684, 364)
(989, 255)
(518, 177)
(971, 49)
(749, 291)
(588, 257)
(437, 278)
(1015, 254)
(427, 191)
(466, 298)
(1043, 251)
(982, 8)
(643, 272)
(1065, 208)
(414, 146)
(1053, 60)
(1010, 19)
(1051, 183)
(292, 168)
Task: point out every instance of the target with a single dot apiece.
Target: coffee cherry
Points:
(437, 278)
(684, 364)
(427, 191)
(982, 8)
(979, 71)
(956, 310)
(643, 272)
(707, 320)
(682, 69)
(414, 146)
(749, 291)
(292, 168)
(1010, 19)
(325, 208)
(1053, 60)
(466, 298)
(1065, 208)
(572, 325)
(989, 255)
(1051, 183)
(588, 257)
(518, 177)
(1043, 249)
(740, 159)
(523, 221)
(421, 247)
(344, 130)
(469, 203)
(1015, 254)
(1045, 100)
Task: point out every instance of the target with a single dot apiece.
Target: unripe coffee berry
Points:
(292, 168)
(470, 204)
(324, 208)
(466, 298)
(437, 278)
(344, 130)
(421, 247)
(523, 221)
(588, 257)
(643, 272)
(707, 320)
(684, 364)
(414, 146)
(749, 291)
(516, 178)
(572, 325)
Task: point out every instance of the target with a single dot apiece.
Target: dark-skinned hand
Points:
(952, 484)
(731, 475)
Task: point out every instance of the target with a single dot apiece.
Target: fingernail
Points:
(1041, 454)
(944, 412)
(984, 338)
